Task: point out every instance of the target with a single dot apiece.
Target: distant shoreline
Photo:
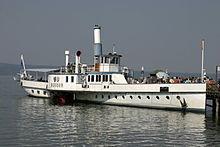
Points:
(12, 69)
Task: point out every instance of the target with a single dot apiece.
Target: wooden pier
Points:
(213, 94)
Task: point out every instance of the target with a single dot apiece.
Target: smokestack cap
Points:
(97, 27)
(78, 53)
(67, 52)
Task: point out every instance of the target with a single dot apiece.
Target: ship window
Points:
(88, 78)
(96, 59)
(157, 97)
(67, 79)
(123, 96)
(103, 96)
(92, 79)
(148, 97)
(106, 78)
(103, 78)
(102, 59)
(38, 92)
(131, 97)
(109, 97)
(116, 60)
(139, 97)
(96, 96)
(45, 92)
(32, 91)
(113, 60)
(97, 78)
(106, 59)
(110, 78)
(168, 97)
(116, 97)
(72, 79)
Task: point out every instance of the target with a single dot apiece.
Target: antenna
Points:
(113, 49)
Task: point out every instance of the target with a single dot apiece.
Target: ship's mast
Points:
(202, 68)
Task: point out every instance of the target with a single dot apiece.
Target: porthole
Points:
(148, 97)
(131, 97)
(104, 86)
(168, 97)
(32, 91)
(123, 96)
(116, 97)
(178, 97)
(38, 92)
(157, 97)
(45, 92)
(139, 97)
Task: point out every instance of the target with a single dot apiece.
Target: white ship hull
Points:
(193, 101)
(36, 92)
(35, 88)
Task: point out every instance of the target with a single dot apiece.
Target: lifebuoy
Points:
(62, 101)
(59, 100)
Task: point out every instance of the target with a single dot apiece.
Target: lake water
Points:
(28, 121)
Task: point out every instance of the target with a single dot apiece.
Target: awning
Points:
(42, 69)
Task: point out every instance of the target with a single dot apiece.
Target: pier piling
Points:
(214, 96)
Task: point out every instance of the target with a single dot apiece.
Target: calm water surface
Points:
(28, 121)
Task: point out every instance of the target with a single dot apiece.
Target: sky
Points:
(156, 34)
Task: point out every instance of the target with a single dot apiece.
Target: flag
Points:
(23, 65)
(22, 61)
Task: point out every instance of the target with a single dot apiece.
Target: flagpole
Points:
(202, 68)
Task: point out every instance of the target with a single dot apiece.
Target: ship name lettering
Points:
(58, 85)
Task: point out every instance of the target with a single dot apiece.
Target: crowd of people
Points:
(171, 80)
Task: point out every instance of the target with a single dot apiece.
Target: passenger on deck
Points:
(176, 80)
(171, 80)
(188, 81)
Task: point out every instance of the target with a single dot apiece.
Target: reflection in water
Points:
(42, 123)
(212, 129)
